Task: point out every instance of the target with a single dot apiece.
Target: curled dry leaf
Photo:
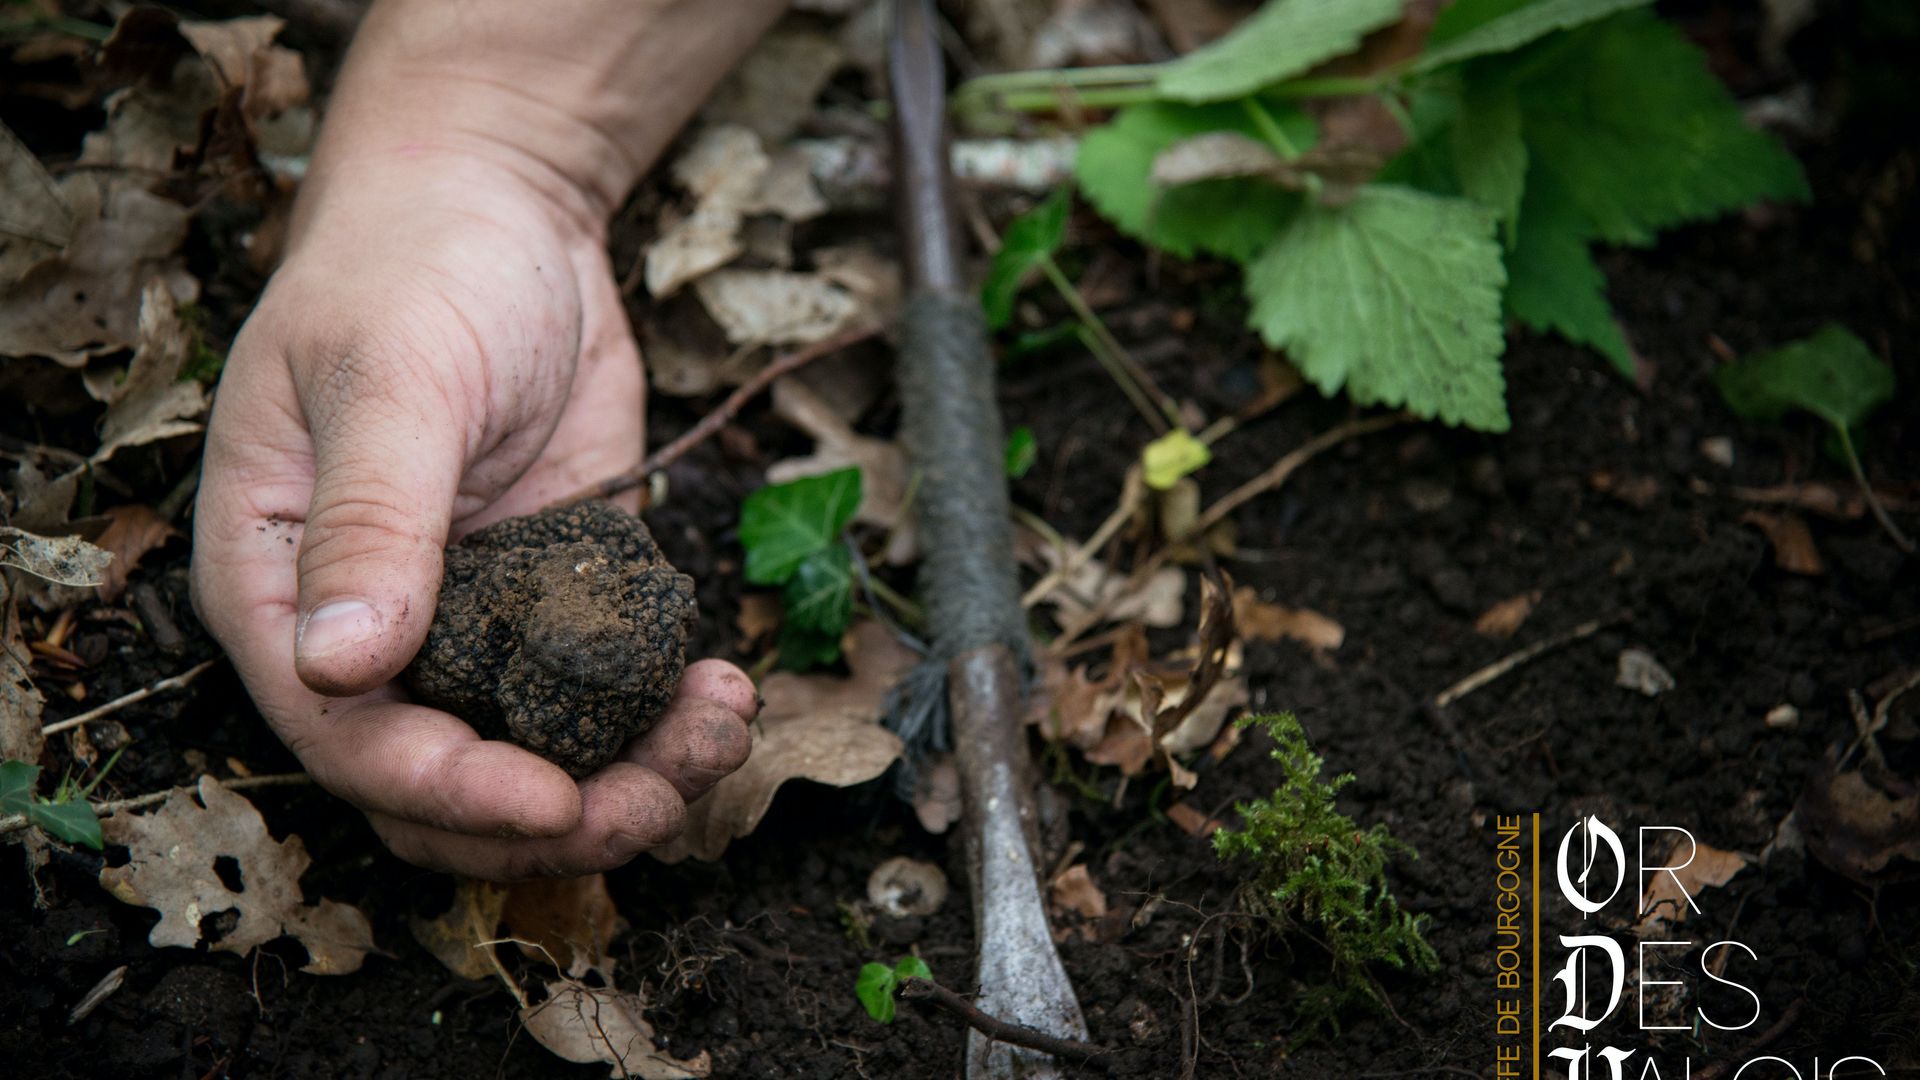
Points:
(35, 220)
(1271, 622)
(131, 532)
(154, 402)
(599, 1024)
(172, 853)
(62, 560)
(902, 886)
(1865, 827)
(1192, 820)
(936, 794)
(1667, 900)
(773, 89)
(458, 938)
(570, 922)
(775, 307)
(882, 464)
(813, 727)
(1504, 618)
(731, 176)
(1159, 601)
(20, 700)
(1792, 541)
(1075, 890)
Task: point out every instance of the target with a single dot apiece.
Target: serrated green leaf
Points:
(1283, 39)
(1233, 218)
(875, 988)
(1022, 452)
(1396, 298)
(17, 780)
(1553, 284)
(1171, 456)
(74, 822)
(1030, 240)
(1489, 155)
(819, 595)
(1518, 26)
(1832, 374)
(912, 967)
(1460, 16)
(782, 524)
(1641, 135)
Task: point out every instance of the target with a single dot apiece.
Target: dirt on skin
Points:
(1600, 498)
(564, 631)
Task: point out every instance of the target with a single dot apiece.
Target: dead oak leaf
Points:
(62, 560)
(132, 531)
(1264, 621)
(461, 938)
(569, 922)
(1667, 900)
(1075, 890)
(154, 402)
(813, 727)
(171, 869)
(599, 1024)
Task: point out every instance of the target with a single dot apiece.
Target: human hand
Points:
(443, 347)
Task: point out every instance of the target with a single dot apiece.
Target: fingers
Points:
(625, 810)
(704, 735)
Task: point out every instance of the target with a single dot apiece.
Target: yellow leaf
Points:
(1172, 456)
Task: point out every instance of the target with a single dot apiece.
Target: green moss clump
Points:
(1316, 872)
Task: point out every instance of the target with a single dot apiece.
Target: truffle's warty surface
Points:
(564, 632)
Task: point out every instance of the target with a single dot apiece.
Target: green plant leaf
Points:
(819, 595)
(912, 967)
(802, 649)
(875, 989)
(1628, 119)
(1396, 297)
(1171, 456)
(1832, 374)
(74, 822)
(1232, 218)
(1283, 39)
(1510, 30)
(1031, 240)
(1489, 155)
(1553, 284)
(782, 524)
(17, 780)
(1022, 452)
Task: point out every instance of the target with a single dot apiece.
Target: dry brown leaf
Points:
(1867, 828)
(154, 402)
(775, 307)
(171, 869)
(1271, 622)
(1075, 890)
(35, 221)
(131, 532)
(1792, 541)
(936, 794)
(460, 938)
(812, 727)
(598, 1024)
(759, 615)
(1192, 821)
(722, 168)
(1504, 618)
(882, 463)
(872, 278)
(1665, 902)
(20, 700)
(570, 922)
(62, 560)
(242, 55)
(773, 89)
(1159, 602)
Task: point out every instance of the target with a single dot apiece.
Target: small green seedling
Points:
(792, 533)
(1832, 375)
(67, 815)
(1318, 873)
(1522, 135)
(1022, 452)
(879, 983)
(78, 936)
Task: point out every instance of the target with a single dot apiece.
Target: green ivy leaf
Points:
(1489, 155)
(1553, 284)
(1833, 375)
(1283, 39)
(802, 649)
(1396, 297)
(1232, 218)
(1171, 456)
(1628, 119)
(1022, 452)
(74, 822)
(912, 967)
(1031, 240)
(819, 596)
(875, 989)
(17, 780)
(1515, 27)
(782, 524)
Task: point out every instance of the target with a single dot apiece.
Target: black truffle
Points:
(564, 632)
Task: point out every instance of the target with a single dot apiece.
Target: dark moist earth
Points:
(1403, 538)
(564, 631)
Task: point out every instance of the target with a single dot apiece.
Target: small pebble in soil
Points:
(564, 632)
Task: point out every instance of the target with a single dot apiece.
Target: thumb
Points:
(387, 468)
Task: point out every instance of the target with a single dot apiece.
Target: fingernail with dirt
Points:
(335, 625)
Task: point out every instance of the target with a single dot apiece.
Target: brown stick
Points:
(16, 822)
(1514, 659)
(785, 364)
(121, 702)
(928, 992)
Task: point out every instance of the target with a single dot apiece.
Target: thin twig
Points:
(727, 410)
(16, 822)
(1513, 660)
(124, 700)
(932, 993)
(1900, 539)
(1132, 496)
